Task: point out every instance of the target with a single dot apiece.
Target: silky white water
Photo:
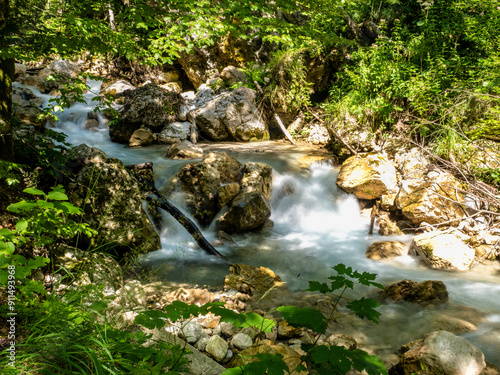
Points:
(316, 227)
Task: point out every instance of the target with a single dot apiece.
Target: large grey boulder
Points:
(112, 204)
(149, 106)
(444, 251)
(200, 182)
(175, 132)
(441, 352)
(116, 88)
(231, 116)
(368, 176)
(247, 211)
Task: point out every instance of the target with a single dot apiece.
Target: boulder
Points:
(425, 292)
(200, 182)
(228, 167)
(184, 150)
(257, 177)
(231, 75)
(132, 295)
(249, 279)
(438, 199)
(444, 251)
(175, 132)
(231, 116)
(368, 176)
(386, 249)
(247, 211)
(19, 71)
(226, 193)
(112, 203)
(66, 68)
(148, 106)
(26, 106)
(441, 352)
(117, 88)
(141, 137)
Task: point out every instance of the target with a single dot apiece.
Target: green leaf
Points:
(57, 196)
(21, 206)
(33, 191)
(316, 286)
(151, 319)
(21, 225)
(304, 317)
(271, 364)
(180, 310)
(365, 308)
(7, 247)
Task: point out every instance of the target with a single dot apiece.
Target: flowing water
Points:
(316, 227)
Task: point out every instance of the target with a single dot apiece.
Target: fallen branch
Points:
(334, 133)
(182, 219)
(283, 129)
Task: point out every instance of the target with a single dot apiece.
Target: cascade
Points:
(316, 227)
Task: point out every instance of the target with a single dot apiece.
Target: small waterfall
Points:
(316, 227)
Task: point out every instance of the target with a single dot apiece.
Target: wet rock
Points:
(368, 176)
(184, 150)
(141, 137)
(444, 251)
(175, 132)
(112, 201)
(231, 116)
(425, 292)
(437, 200)
(217, 347)
(387, 226)
(249, 279)
(386, 249)
(241, 341)
(226, 193)
(148, 106)
(228, 167)
(201, 182)
(441, 352)
(247, 211)
(91, 124)
(257, 177)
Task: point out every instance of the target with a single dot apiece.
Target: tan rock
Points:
(141, 137)
(386, 249)
(438, 199)
(443, 251)
(368, 176)
(248, 279)
(290, 356)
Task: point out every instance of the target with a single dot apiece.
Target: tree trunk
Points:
(7, 68)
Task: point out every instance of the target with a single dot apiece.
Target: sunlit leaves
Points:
(304, 317)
